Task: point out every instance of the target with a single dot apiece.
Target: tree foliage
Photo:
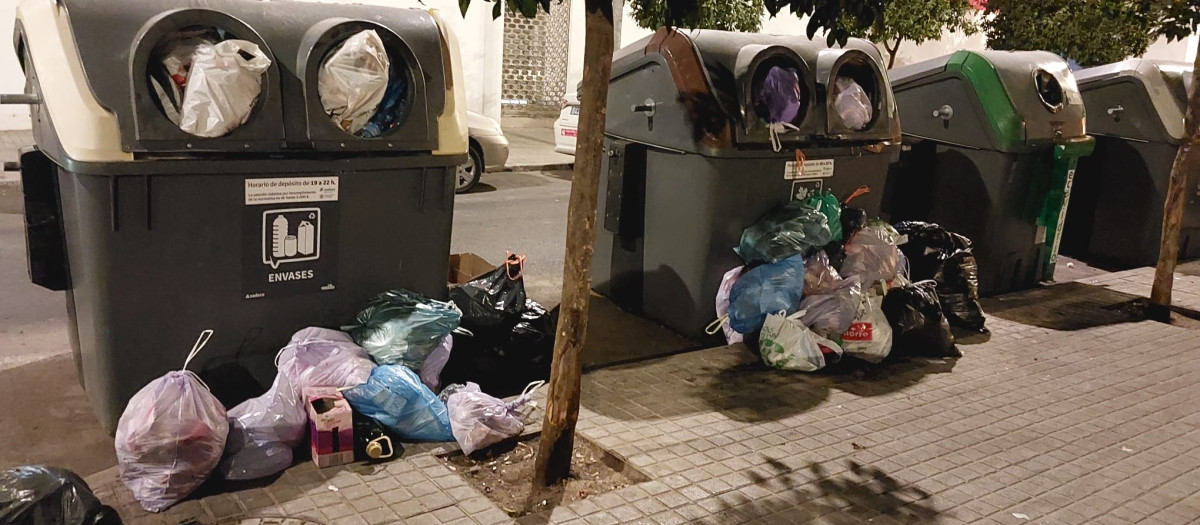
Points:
(1091, 32)
(917, 21)
(726, 15)
(841, 19)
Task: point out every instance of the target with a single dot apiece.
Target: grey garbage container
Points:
(287, 221)
(1115, 218)
(690, 162)
(991, 142)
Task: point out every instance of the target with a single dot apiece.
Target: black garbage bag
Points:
(373, 442)
(918, 327)
(494, 298)
(958, 291)
(946, 257)
(37, 495)
(504, 359)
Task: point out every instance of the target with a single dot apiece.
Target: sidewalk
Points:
(1038, 425)
(531, 145)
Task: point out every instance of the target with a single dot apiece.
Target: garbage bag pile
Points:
(823, 282)
(208, 84)
(38, 495)
(353, 395)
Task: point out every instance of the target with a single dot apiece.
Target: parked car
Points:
(488, 151)
(566, 128)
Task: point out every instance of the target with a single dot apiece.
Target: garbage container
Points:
(1137, 109)
(991, 141)
(157, 233)
(691, 163)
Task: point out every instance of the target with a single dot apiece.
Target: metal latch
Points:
(646, 107)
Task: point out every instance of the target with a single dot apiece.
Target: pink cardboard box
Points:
(331, 427)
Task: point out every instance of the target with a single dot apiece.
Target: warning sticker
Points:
(291, 189)
(807, 169)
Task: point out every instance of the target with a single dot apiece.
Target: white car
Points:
(488, 151)
(566, 128)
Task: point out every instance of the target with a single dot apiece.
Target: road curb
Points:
(539, 167)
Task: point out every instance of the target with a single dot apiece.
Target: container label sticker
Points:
(821, 168)
(289, 246)
(805, 188)
(291, 189)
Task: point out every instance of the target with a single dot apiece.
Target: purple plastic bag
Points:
(779, 94)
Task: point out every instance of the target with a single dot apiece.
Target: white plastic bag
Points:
(786, 344)
(870, 337)
(479, 420)
(431, 368)
(730, 277)
(170, 436)
(264, 431)
(353, 80)
(222, 87)
(873, 255)
(831, 313)
(853, 104)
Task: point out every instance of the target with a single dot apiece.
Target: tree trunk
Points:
(1187, 162)
(562, 399)
(892, 53)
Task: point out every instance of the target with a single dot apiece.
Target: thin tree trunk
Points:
(892, 53)
(562, 399)
(1187, 162)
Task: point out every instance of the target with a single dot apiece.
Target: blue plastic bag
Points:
(403, 327)
(395, 397)
(765, 290)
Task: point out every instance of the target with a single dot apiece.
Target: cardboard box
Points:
(331, 427)
(466, 266)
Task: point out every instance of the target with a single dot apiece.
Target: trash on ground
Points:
(797, 228)
(946, 257)
(479, 420)
(870, 335)
(171, 436)
(263, 431)
(920, 329)
(786, 344)
(852, 104)
(722, 305)
(395, 397)
(435, 362)
(765, 290)
(504, 358)
(353, 80)
(820, 277)
(39, 495)
(467, 266)
(373, 441)
(403, 327)
(493, 298)
(331, 427)
(872, 253)
(830, 314)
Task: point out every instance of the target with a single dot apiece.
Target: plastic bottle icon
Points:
(289, 246)
(306, 236)
(279, 231)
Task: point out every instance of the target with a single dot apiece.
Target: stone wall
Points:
(535, 61)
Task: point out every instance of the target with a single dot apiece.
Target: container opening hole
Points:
(855, 93)
(1049, 90)
(365, 90)
(778, 93)
(206, 80)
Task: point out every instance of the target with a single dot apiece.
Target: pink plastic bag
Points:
(431, 368)
(730, 277)
(264, 431)
(170, 436)
(479, 421)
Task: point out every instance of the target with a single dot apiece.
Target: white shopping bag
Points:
(870, 336)
(785, 343)
(223, 85)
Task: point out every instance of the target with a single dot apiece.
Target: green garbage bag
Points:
(797, 228)
(829, 205)
(403, 327)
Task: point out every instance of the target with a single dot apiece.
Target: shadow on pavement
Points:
(859, 494)
(1066, 306)
(481, 187)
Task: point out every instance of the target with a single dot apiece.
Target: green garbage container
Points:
(156, 233)
(991, 143)
(690, 162)
(1137, 109)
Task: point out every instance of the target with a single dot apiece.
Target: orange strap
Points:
(514, 260)
(862, 190)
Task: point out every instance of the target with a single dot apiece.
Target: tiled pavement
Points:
(1096, 425)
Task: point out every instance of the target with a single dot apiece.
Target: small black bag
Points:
(918, 327)
(494, 298)
(944, 256)
(373, 442)
(36, 495)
